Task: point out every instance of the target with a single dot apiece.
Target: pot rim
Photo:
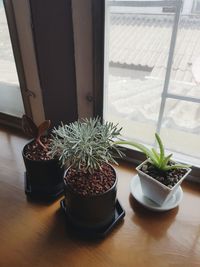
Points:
(138, 168)
(31, 160)
(91, 196)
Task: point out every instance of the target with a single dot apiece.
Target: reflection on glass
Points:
(10, 94)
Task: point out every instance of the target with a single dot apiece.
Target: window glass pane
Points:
(196, 6)
(185, 73)
(137, 48)
(181, 129)
(10, 94)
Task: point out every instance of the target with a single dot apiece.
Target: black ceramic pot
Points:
(90, 212)
(43, 178)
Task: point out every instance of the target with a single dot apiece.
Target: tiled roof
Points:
(141, 41)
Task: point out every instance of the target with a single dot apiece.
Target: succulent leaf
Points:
(176, 166)
(43, 127)
(29, 127)
(159, 160)
(156, 155)
(161, 147)
(165, 161)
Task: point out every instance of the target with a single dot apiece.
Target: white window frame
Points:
(20, 27)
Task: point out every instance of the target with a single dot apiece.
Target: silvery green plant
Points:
(86, 144)
(158, 159)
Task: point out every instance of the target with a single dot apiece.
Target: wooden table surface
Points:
(35, 234)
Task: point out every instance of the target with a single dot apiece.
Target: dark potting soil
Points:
(35, 151)
(168, 178)
(87, 184)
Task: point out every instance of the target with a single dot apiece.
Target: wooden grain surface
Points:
(35, 234)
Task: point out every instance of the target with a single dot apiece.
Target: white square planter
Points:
(155, 190)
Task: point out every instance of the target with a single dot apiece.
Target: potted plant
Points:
(86, 148)
(160, 176)
(43, 176)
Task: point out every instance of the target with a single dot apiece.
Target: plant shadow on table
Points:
(42, 201)
(60, 244)
(89, 237)
(60, 234)
(154, 223)
(56, 243)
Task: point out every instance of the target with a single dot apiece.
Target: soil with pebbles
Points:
(168, 178)
(87, 184)
(35, 151)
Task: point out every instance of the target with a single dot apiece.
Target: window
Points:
(20, 90)
(11, 99)
(152, 74)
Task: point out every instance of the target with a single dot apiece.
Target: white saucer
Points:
(136, 191)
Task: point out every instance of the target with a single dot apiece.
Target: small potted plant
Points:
(160, 176)
(86, 148)
(43, 176)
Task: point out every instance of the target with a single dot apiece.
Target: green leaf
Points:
(162, 154)
(157, 156)
(156, 159)
(141, 147)
(177, 166)
(165, 161)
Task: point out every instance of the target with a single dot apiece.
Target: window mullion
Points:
(168, 3)
(169, 66)
(106, 57)
(184, 98)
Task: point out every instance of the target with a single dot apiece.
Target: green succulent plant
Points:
(85, 144)
(158, 159)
